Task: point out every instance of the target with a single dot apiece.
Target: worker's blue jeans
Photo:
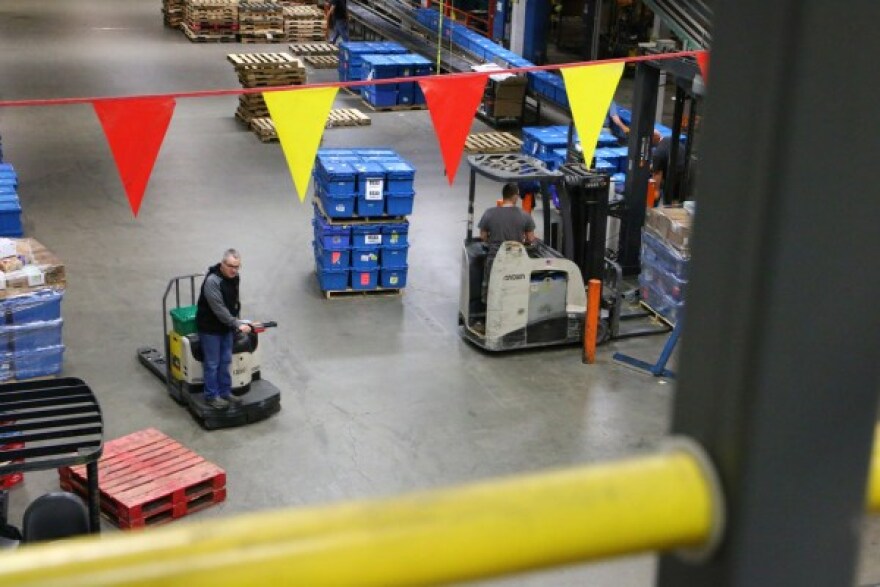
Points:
(340, 29)
(216, 358)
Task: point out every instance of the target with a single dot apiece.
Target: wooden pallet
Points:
(366, 293)
(265, 62)
(395, 108)
(356, 220)
(147, 478)
(492, 142)
(347, 117)
(302, 49)
(322, 61)
(214, 37)
(264, 128)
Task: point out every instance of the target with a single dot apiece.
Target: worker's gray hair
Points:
(231, 253)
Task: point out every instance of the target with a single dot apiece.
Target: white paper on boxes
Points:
(7, 248)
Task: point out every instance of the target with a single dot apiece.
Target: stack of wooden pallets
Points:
(210, 20)
(317, 55)
(172, 13)
(264, 128)
(492, 142)
(263, 70)
(304, 23)
(261, 22)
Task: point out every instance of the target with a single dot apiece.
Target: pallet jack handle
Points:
(262, 326)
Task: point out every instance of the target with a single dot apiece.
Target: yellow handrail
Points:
(642, 504)
(659, 502)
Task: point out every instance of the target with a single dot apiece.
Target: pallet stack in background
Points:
(361, 199)
(665, 259)
(172, 13)
(263, 70)
(210, 20)
(261, 22)
(304, 24)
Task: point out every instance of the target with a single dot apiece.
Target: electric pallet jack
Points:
(183, 377)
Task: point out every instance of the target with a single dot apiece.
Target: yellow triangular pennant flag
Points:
(300, 117)
(590, 89)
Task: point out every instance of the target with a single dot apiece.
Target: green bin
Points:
(184, 320)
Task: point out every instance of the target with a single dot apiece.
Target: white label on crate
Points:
(340, 207)
(35, 277)
(373, 239)
(2, 280)
(374, 189)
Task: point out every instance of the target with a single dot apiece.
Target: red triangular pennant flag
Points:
(703, 62)
(453, 102)
(135, 128)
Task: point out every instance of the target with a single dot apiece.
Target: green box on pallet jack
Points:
(184, 320)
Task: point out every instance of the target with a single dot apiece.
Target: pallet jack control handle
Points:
(261, 326)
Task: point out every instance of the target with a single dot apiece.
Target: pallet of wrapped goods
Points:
(210, 20)
(30, 268)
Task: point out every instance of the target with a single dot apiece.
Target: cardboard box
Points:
(507, 109)
(41, 269)
(511, 89)
(672, 225)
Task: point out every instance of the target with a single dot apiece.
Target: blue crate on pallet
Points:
(606, 139)
(364, 279)
(660, 302)
(336, 177)
(10, 218)
(330, 235)
(38, 363)
(40, 306)
(394, 256)
(663, 280)
(393, 278)
(406, 93)
(380, 96)
(332, 256)
(365, 257)
(332, 279)
(395, 233)
(367, 235)
(31, 336)
(661, 255)
(336, 205)
(399, 176)
(371, 187)
(604, 166)
(399, 204)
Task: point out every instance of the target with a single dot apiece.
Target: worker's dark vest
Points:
(206, 321)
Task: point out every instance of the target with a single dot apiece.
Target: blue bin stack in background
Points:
(362, 198)
(351, 54)
(394, 66)
(30, 335)
(10, 206)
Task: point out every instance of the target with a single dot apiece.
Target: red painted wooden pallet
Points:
(147, 478)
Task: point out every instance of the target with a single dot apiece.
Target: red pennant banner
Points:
(453, 102)
(135, 129)
(703, 62)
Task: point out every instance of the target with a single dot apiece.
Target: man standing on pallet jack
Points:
(217, 321)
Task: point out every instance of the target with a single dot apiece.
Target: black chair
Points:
(53, 516)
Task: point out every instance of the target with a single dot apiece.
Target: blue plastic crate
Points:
(364, 279)
(337, 178)
(338, 206)
(330, 235)
(331, 279)
(364, 257)
(399, 204)
(399, 177)
(372, 174)
(333, 257)
(421, 65)
(31, 336)
(394, 256)
(393, 278)
(660, 255)
(367, 235)
(395, 233)
(40, 306)
(39, 363)
(380, 66)
(380, 96)
(606, 166)
(406, 93)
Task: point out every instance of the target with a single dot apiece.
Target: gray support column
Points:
(779, 364)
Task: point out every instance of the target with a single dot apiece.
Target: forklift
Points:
(183, 375)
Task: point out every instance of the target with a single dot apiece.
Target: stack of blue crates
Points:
(351, 54)
(663, 278)
(394, 66)
(10, 207)
(30, 335)
(361, 233)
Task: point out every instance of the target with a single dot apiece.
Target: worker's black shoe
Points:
(232, 399)
(218, 403)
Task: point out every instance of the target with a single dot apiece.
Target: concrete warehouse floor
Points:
(380, 395)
